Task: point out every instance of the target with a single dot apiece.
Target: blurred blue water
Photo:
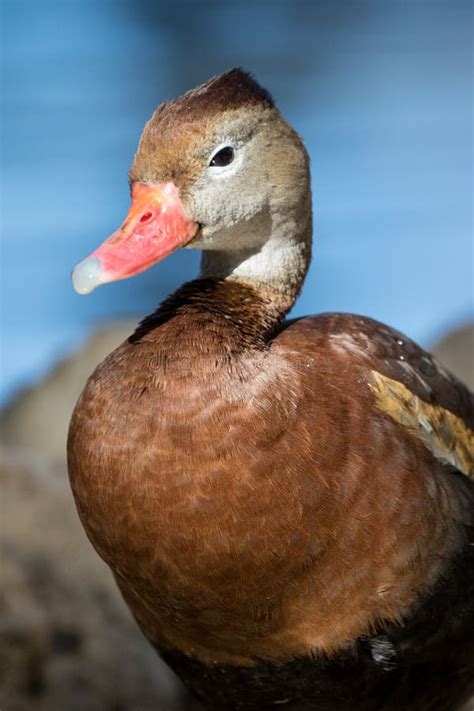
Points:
(380, 90)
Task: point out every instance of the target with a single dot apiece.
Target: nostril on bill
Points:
(146, 217)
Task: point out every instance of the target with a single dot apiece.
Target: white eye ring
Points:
(227, 161)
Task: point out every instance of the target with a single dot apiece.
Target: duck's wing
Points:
(408, 384)
(417, 391)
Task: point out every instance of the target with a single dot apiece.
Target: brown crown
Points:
(230, 90)
(175, 124)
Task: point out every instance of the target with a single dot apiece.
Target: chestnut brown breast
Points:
(244, 482)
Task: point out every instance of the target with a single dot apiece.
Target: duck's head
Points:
(217, 169)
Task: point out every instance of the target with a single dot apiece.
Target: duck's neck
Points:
(215, 318)
(277, 265)
(242, 294)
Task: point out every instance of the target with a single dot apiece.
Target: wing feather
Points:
(444, 433)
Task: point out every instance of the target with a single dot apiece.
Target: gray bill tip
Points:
(87, 275)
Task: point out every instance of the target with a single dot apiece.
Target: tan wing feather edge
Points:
(445, 434)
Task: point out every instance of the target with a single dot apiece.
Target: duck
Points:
(286, 505)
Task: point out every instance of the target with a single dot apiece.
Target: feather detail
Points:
(446, 435)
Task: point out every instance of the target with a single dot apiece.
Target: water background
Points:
(380, 90)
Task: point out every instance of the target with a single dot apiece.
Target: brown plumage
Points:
(284, 505)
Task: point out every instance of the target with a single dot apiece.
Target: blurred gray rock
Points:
(456, 351)
(38, 418)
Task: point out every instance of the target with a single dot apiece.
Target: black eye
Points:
(223, 157)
